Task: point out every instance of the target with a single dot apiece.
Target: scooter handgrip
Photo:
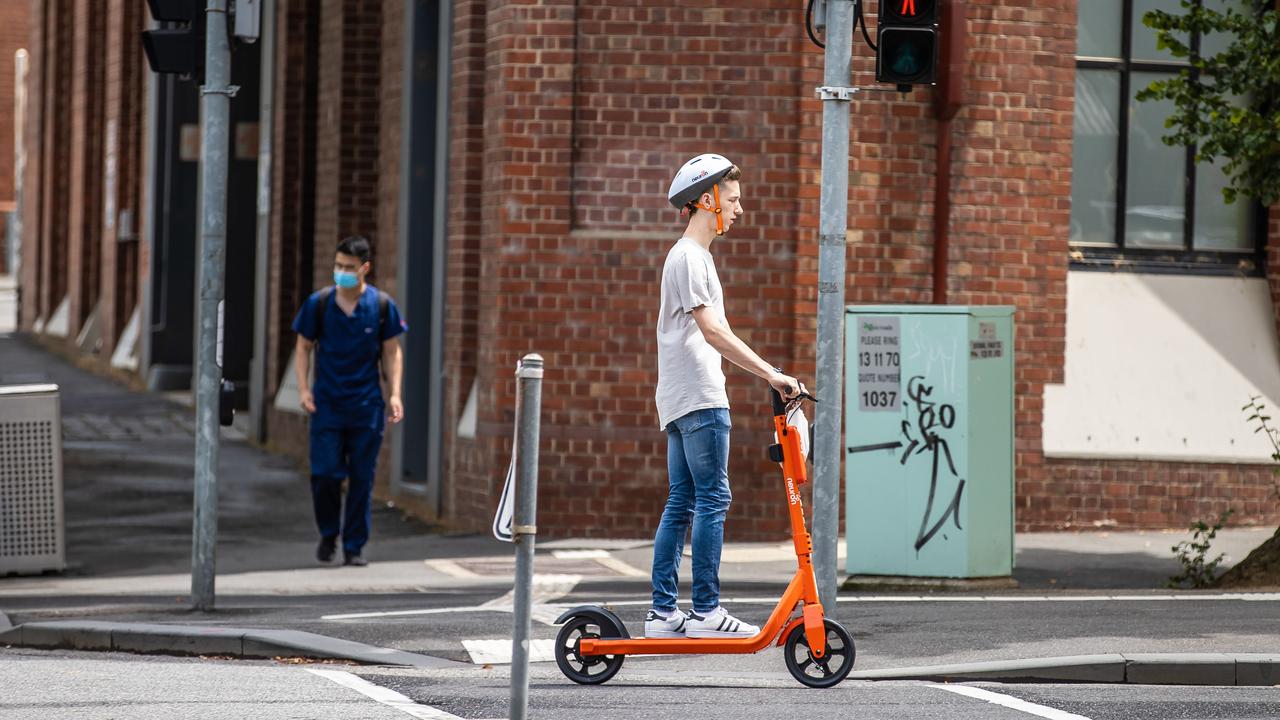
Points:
(779, 405)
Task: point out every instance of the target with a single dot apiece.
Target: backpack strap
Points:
(322, 304)
(384, 312)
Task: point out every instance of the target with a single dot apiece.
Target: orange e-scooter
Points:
(593, 641)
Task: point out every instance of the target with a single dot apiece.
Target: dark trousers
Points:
(344, 446)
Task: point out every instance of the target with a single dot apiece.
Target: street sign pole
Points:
(215, 102)
(525, 528)
(832, 226)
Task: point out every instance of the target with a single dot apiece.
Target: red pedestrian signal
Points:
(907, 42)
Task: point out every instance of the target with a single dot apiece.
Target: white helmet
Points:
(697, 176)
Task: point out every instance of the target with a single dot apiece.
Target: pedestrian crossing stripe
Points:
(498, 652)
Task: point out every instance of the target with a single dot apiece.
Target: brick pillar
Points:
(293, 150)
(13, 37)
(525, 205)
(54, 158)
(389, 149)
(121, 162)
(85, 181)
(348, 120)
(32, 214)
(466, 173)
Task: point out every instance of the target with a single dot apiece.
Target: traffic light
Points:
(179, 48)
(907, 42)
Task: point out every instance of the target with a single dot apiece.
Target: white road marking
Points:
(1011, 702)
(1255, 597)
(451, 568)
(1240, 597)
(621, 567)
(579, 554)
(498, 652)
(546, 588)
(386, 696)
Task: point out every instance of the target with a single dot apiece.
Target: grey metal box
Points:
(32, 528)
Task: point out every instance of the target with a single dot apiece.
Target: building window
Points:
(1137, 203)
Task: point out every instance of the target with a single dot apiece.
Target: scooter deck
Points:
(780, 618)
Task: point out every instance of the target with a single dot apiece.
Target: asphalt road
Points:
(40, 685)
(890, 631)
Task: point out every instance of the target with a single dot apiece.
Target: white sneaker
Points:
(669, 626)
(718, 624)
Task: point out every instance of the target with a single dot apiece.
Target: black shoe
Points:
(325, 550)
(354, 559)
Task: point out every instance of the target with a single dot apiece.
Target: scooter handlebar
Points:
(779, 403)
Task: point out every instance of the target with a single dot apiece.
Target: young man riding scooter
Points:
(693, 408)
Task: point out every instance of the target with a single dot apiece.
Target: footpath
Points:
(128, 494)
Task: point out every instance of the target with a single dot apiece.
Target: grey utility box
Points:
(32, 530)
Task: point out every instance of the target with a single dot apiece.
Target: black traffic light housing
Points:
(179, 48)
(907, 42)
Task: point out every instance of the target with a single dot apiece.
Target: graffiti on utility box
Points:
(924, 435)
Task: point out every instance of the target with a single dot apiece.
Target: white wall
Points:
(1158, 367)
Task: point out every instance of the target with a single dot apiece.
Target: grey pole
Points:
(524, 527)
(262, 239)
(215, 103)
(832, 226)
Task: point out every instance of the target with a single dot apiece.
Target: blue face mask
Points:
(345, 279)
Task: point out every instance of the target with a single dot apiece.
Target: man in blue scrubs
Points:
(354, 328)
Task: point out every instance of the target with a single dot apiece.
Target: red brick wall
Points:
(292, 184)
(586, 117)
(349, 109)
(13, 37)
(85, 168)
(86, 91)
(1084, 494)
(33, 140)
(389, 144)
(463, 297)
(55, 158)
(588, 109)
(124, 97)
(338, 99)
(1011, 188)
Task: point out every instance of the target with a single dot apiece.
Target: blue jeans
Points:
(698, 467)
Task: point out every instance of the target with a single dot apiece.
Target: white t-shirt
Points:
(690, 376)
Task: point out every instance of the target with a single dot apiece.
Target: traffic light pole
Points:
(215, 104)
(832, 227)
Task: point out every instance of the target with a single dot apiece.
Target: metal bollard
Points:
(524, 528)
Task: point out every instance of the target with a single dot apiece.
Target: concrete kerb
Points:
(1134, 668)
(1222, 669)
(197, 640)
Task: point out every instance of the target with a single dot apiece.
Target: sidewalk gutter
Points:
(201, 640)
(1135, 668)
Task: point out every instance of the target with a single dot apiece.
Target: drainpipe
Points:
(949, 100)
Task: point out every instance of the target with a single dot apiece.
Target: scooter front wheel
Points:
(820, 672)
(586, 669)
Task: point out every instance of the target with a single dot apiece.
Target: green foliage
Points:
(1191, 553)
(1226, 105)
(1264, 426)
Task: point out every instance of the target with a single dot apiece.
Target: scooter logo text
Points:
(793, 497)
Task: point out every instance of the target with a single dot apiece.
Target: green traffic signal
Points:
(907, 55)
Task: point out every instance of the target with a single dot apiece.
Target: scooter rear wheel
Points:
(826, 671)
(586, 669)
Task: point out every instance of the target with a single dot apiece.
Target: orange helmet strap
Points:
(715, 191)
